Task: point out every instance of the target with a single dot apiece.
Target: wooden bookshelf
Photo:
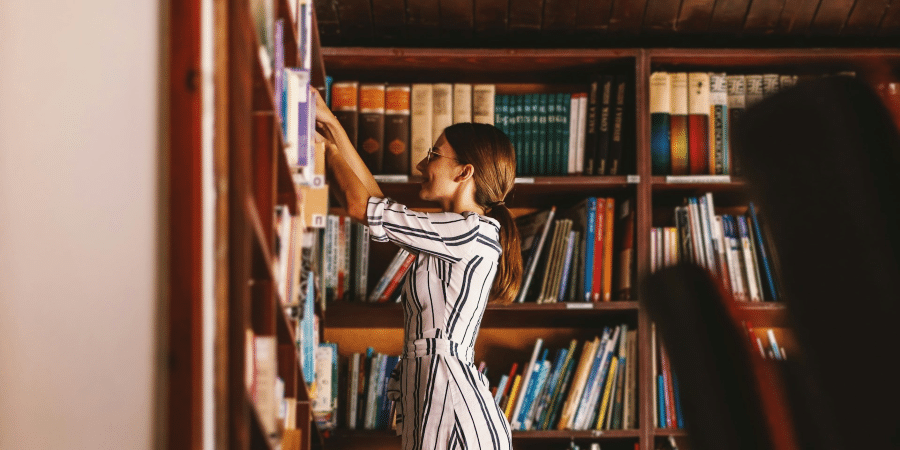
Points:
(568, 70)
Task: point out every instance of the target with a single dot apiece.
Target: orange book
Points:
(599, 252)
(608, 217)
(395, 280)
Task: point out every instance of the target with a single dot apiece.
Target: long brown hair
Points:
(489, 150)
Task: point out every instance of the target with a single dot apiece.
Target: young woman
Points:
(466, 254)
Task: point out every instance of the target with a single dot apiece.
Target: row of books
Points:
(765, 341)
(691, 114)
(394, 124)
(344, 266)
(593, 390)
(368, 406)
(569, 255)
(732, 247)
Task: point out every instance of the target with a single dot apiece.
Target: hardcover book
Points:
(370, 142)
(698, 123)
(660, 111)
(396, 130)
(678, 124)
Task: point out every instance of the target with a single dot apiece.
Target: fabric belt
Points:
(435, 346)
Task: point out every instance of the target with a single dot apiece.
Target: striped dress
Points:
(442, 401)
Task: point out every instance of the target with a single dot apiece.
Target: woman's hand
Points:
(324, 117)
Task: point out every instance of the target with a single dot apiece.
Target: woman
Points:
(466, 254)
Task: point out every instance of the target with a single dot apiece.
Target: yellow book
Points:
(604, 404)
(513, 392)
(578, 381)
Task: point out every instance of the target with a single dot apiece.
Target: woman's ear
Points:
(467, 172)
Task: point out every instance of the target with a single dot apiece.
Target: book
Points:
(370, 141)
(763, 258)
(577, 130)
(660, 111)
(678, 124)
(603, 413)
(442, 108)
(513, 393)
(527, 374)
(396, 130)
(599, 251)
(590, 246)
(748, 254)
(606, 105)
(591, 125)
(718, 124)
(698, 123)
(324, 404)
(565, 277)
(607, 275)
(737, 103)
(753, 89)
(576, 389)
(620, 123)
(353, 384)
(559, 383)
(629, 403)
(483, 96)
(543, 219)
(625, 260)
(345, 106)
(462, 102)
(421, 113)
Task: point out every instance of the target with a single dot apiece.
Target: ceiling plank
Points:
(728, 16)
(865, 18)
(327, 18)
(525, 15)
(763, 16)
(592, 15)
(356, 20)
(457, 18)
(661, 16)
(694, 16)
(627, 16)
(559, 16)
(890, 23)
(389, 20)
(423, 19)
(796, 16)
(831, 17)
(491, 18)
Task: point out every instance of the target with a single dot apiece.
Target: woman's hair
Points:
(487, 149)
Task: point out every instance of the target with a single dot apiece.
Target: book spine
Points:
(737, 102)
(599, 253)
(678, 124)
(698, 123)
(591, 128)
(398, 276)
(396, 130)
(370, 141)
(442, 107)
(620, 118)
(534, 256)
(763, 256)
(483, 96)
(609, 217)
(345, 106)
(462, 102)
(603, 125)
(421, 113)
(590, 237)
(718, 133)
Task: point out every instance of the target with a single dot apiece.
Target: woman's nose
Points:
(421, 165)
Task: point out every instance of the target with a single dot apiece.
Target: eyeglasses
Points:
(433, 154)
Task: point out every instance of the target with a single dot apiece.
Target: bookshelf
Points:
(508, 332)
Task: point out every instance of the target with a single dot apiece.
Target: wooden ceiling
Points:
(608, 23)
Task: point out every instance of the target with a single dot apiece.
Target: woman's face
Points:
(440, 169)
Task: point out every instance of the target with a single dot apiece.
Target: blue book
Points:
(594, 381)
(500, 387)
(529, 391)
(538, 381)
(763, 255)
(660, 123)
(679, 417)
(589, 237)
(384, 407)
(661, 401)
(307, 333)
(547, 394)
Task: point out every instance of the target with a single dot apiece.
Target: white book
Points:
(483, 103)
(421, 113)
(751, 271)
(706, 229)
(734, 272)
(442, 108)
(524, 384)
(697, 237)
(352, 390)
(654, 250)
(462, 102)
(573, 133)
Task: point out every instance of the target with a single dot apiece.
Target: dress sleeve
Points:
(448, 236)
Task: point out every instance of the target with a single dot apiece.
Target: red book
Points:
(698, 123)
(395, 280)
(509, 382)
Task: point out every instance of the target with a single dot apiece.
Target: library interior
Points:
(706, 203)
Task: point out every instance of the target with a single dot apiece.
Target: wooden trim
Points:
(185, 356)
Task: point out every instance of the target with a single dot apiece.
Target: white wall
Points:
(80, 224)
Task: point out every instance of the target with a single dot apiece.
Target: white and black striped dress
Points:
(444, 402)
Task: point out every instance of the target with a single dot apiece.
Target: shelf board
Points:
(674, 432)
(570, 434)
(390, 315)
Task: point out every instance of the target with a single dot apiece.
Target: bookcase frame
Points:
(564, 70)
